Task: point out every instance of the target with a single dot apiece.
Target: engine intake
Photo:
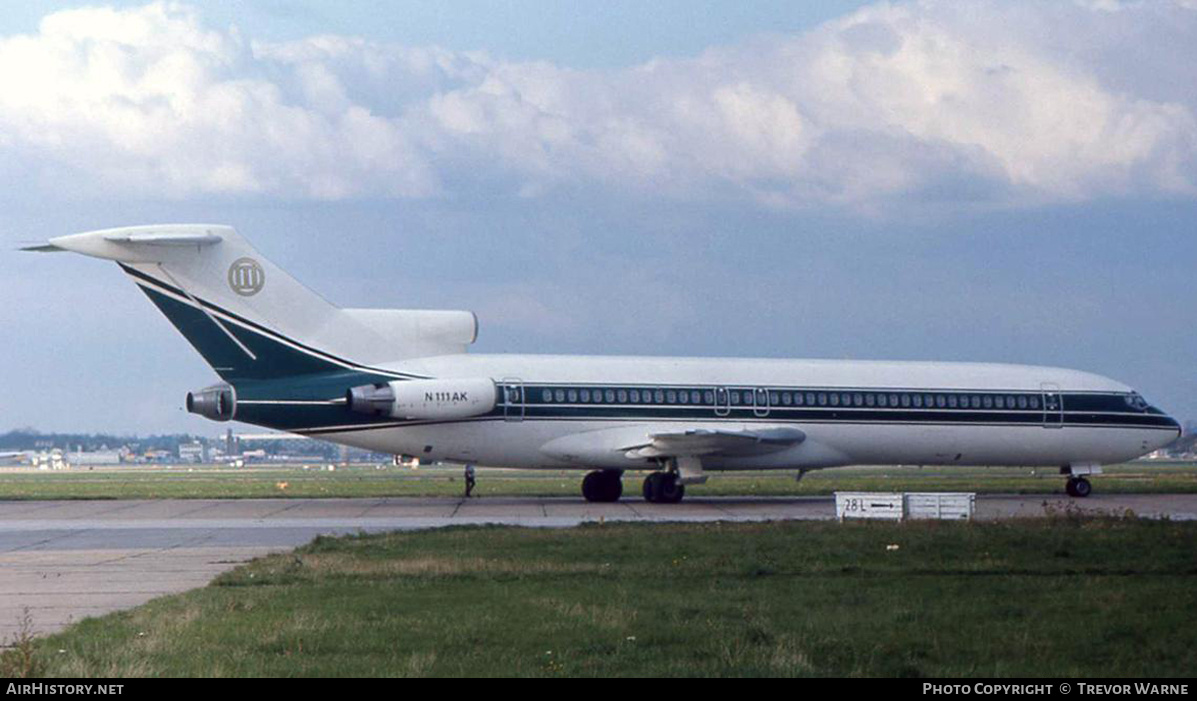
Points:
(424, 399)
(218, 402)
(375, 400)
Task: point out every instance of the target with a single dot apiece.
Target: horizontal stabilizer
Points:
(164, 238)
(137, 244)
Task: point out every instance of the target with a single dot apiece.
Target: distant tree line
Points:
(32, 439)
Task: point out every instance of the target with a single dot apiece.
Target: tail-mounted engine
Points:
(424, 399)
(218, 402)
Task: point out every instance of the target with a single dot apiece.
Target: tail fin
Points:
(251, 320)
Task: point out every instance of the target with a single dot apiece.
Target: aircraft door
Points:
(761, 406)
(513, 399)
(722, 402)
(1053, 405)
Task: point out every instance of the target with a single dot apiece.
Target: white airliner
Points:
(400, 381)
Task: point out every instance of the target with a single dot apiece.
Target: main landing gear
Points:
(663, 488)
(1078, 487)
(607, 486)
(602, 485)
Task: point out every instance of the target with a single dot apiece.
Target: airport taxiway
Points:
(62, 561)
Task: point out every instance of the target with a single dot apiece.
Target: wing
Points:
(703, 442)
(637, 443)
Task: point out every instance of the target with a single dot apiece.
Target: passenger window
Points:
(547, 395)
(882, 400)
(573, 396)
(987, 402)
(917, 400)
(659, 396)
(1022, 401)
(609, 396)
(623, 396)
(708, 396)
(810, 399)
(786, 399)
(775, 398)
(559, 395)
(976, 401)
(797, 399)
(584, 395)
(635, 396)
(822, 399)
(999, 402)
(1034, 402)
(858, 400)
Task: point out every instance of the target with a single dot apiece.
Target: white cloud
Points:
(1007, 103)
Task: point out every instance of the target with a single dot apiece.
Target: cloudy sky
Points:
(998, 181)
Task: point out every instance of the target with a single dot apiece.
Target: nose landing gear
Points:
(1078, 487)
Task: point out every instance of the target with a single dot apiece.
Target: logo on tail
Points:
(246, 277)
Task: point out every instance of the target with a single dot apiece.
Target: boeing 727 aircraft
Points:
(400, 381)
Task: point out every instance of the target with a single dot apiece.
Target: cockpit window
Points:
(1135, 401)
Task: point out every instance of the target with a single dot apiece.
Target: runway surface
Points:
(62, 561)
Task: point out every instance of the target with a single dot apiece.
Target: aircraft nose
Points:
(1174, 426)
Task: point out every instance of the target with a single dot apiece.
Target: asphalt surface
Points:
(62, 561)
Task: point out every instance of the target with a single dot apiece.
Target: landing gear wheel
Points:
(1081, 487)
(663, 488)
(1078, 487)
(652, 487)
(602, 485)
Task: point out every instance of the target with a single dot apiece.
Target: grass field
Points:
(1062, 597)
(371, 481)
